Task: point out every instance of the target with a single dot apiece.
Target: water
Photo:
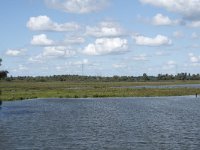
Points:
(196, 86)
(98, 124)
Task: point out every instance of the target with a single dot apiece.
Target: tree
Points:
(145, 77)
(3, 73)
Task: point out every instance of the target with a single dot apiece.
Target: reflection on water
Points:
(94, 124)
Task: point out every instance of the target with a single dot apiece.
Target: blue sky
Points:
(100, 37)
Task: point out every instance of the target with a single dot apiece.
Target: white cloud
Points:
(74, 65)
(141, 57)
(105, 29)
(77, 6)
(52, 52)
(193, 58)
(103, 46)
(194, 24)
(160, 19)
(41, 40)
(161, 53)
(36, 59)
(57, 51)
(189, 9)
(171, 62)
(60, 68)
(120, 65)
(15, 52)
(159, 40)
(44, 23)
(83, 62)
(169, 65)
(22, 67)
(74, 40)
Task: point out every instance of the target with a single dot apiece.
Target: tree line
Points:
(79, 78)
(70, 78)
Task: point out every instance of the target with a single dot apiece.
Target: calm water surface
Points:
(95, 124)
(196, 86)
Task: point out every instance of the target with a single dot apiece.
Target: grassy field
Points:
(19, 90)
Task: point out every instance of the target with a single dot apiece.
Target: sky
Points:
(99, 37)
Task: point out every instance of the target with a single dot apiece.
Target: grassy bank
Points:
(28, 90)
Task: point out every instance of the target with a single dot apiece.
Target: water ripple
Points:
(95, 124)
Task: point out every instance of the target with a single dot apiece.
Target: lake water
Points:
(96, 124)
(196, 86)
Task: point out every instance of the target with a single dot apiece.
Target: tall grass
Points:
(30, 90)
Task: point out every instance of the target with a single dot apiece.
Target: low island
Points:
(75, 86)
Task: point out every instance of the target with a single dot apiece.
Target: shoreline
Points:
(103, 98)
(57, 98)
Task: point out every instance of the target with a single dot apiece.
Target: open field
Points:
(17, 90)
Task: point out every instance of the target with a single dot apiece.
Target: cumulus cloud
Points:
(15, 52)
(77, 6)
(159, 40)
(41, 40)
(189, 9)
(103, 46)
(193, 58)
(57, 51)
(160, 20)
(53, 52)
(44, 23)
(105, 29)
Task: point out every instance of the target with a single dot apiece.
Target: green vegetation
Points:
(3, 74)
(74, 86)
(77, 78)
(19, 90)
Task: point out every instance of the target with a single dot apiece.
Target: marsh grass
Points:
(31, 90)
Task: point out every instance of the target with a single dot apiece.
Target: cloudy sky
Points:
(100, 37)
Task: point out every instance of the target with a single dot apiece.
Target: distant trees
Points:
(145, 77)
(77, 78)
(3, 73)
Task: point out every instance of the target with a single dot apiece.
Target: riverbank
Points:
(19, 90)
